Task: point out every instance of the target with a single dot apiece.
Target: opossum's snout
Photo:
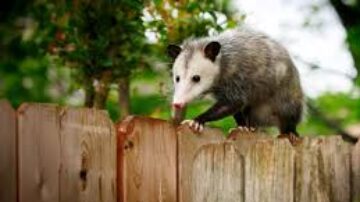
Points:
(178, 105)
(179, 101)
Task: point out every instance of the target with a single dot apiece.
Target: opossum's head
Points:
(194, 71)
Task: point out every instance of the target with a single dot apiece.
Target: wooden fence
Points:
(57, 154)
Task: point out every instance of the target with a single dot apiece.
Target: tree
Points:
(103, 40)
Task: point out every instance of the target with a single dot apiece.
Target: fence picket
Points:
(88, 156)
(8, 159)
(39, 153)
(149, 161)
(355, 174)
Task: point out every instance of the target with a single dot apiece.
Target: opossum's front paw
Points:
(242, 129)
(194, 125)
(293, 139)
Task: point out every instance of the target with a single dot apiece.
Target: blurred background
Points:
(110, 54)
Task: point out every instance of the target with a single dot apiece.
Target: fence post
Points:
(8, 158)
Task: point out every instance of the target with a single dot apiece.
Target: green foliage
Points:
(354, 46)
(98, 36)
(24, 68)
(177, 20)
(342, 108)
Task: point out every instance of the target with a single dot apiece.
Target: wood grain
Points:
(188, 146)
(149, 161)
(269, 171)
(88, 156)
(218, 174)
(39, 153)
(323, 170)
(8, 182)
(66, 155)
(336, 157)
(309, 179)
(355, 175)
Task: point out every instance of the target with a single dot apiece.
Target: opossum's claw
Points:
(199, 127)
(293, 139)
(243, 129)
(187, 121)
(194, 125)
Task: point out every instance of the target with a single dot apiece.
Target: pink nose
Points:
(178, 105)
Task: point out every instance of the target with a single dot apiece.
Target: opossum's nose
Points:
(178, 105)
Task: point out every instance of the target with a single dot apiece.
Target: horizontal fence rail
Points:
(58, 154)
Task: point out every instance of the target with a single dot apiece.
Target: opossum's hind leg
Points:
(243, 119)
(244, 123)
(289, 117)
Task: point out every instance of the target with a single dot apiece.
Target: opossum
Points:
(251, 76)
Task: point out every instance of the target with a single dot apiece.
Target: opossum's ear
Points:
(173, 51)
(212, 49)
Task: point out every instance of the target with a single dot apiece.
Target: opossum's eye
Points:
(195, 78)
(177, 79)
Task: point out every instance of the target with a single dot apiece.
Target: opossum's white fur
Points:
(185, 89)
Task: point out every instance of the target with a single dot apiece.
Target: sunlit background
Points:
(111, 54)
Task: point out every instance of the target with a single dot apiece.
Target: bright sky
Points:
(323, 42)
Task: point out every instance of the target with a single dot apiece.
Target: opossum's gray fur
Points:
(256, 71)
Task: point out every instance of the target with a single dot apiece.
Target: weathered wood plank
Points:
(218, 174)
(309, 179)
(188, 146)
(269, 168)
(336, 157)
(39, 153)
(88, 156)
(149, 160)
(355, 176)
(66, 155)
(8, 183)
(323, 170)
